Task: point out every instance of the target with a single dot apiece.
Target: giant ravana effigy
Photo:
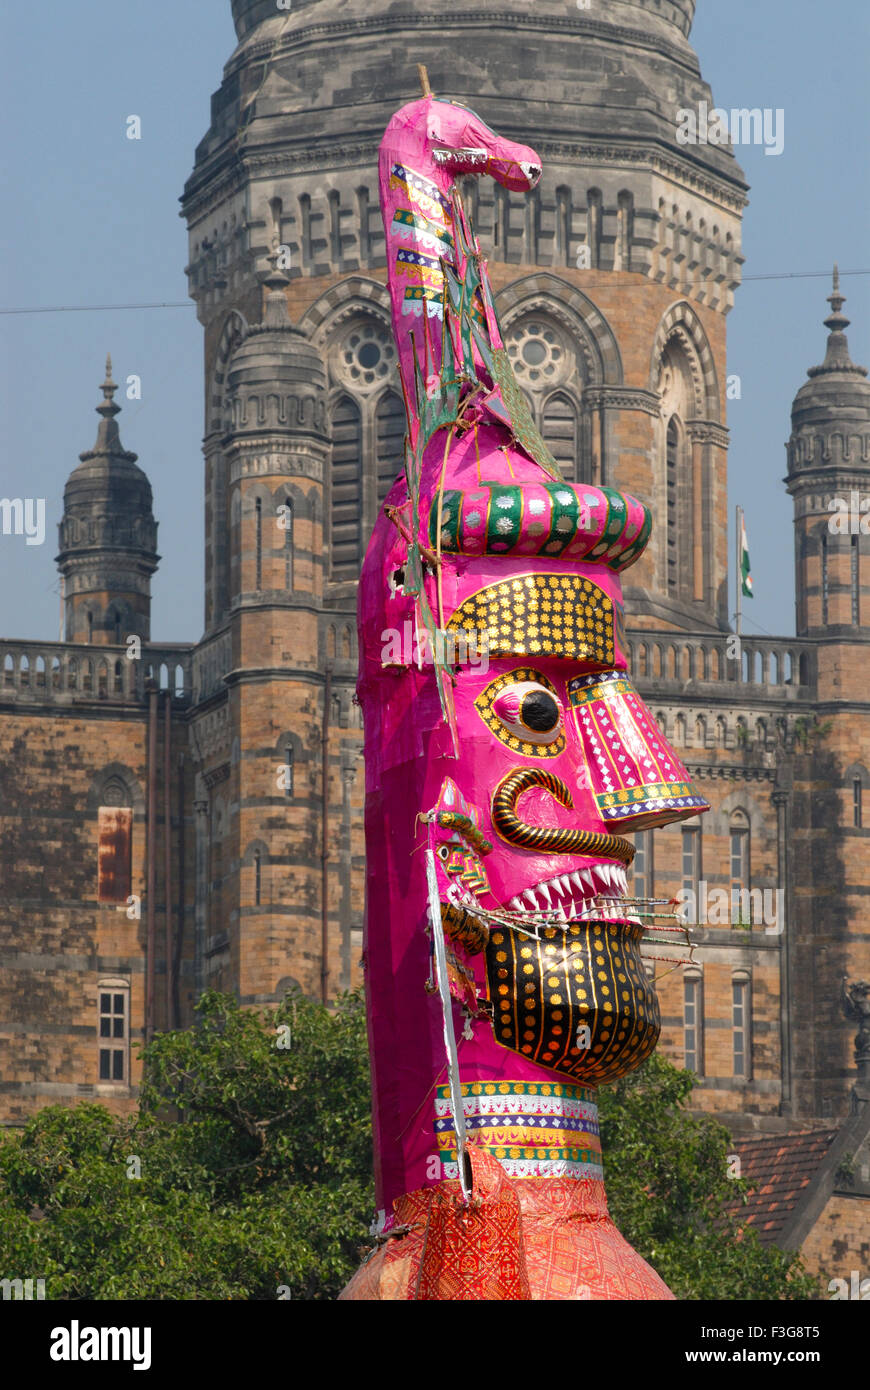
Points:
(507, 754)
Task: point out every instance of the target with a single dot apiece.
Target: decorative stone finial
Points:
(276, 314)
(837, 356)
(108, 408)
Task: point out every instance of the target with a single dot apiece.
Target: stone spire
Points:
(828, 475)
(108, 537)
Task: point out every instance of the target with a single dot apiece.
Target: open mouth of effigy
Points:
(595, 892)
(592, 893)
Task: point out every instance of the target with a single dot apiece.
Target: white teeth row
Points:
(577, 895)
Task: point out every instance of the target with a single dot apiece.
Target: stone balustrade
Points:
(781, 668)
(66, 672)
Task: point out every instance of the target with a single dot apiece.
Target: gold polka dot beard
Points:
(575, 999)
(549, 839)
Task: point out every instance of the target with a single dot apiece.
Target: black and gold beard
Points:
(575, 1000)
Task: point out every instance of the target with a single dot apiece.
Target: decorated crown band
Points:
(549, 520)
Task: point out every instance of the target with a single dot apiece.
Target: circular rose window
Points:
(366, 356)
(536, 353)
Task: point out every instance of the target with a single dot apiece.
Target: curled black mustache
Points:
(548, 839)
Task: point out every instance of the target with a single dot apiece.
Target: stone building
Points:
(241, 753)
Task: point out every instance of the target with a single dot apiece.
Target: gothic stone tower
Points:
(829, 479)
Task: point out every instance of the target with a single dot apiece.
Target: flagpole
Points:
(739, 575)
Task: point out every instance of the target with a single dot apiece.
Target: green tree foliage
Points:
(253, 1149)
(255, 1163)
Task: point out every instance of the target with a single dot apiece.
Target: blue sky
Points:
(91, 218)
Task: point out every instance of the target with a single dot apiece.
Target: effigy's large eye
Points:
(523, 711)
(540, 712)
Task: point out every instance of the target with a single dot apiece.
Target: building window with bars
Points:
(857, 803)
(740, 1022)
(114, 1032)
(740, 869)
(693, 1039)
(287, 770)
(691, 859)
(642, 865)
(672, 477)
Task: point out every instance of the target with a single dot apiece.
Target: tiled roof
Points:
(779, 1168)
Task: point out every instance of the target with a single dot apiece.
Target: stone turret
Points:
(107, 538)
(829, 479)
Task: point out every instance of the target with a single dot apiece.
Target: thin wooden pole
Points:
(167, 853)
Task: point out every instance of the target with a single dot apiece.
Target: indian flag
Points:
(745, 569)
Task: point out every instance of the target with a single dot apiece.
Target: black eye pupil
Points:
(540, 711)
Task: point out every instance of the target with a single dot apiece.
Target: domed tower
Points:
(107, 538)
(613, 279)
(274, 448)
(829, 479)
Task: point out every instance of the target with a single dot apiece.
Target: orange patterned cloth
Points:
(544, 1238)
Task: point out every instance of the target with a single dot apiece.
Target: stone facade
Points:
(613, 285)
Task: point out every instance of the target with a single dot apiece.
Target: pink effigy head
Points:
(505, 745)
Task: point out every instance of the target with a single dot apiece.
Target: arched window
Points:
(624, 230)
(258, 877)
(741, 1020)
(563, 226)
(672, 472)
(258, 580)
(90, 626)
(691, 860)
(346, 492)
(593, 225)
(559, 427)
(286, 517)
(288, 770)
(740, 847)
(390, 434)
(823, 549)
